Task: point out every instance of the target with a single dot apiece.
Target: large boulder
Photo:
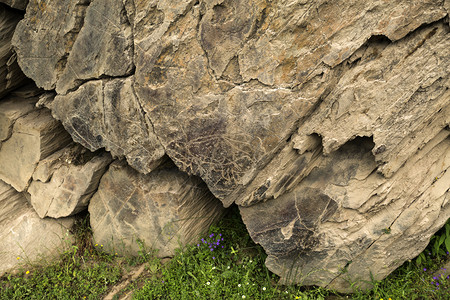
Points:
(345, 222)
(24, 237)
(162, 210)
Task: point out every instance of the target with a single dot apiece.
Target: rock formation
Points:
(162, 210)
(326, 122)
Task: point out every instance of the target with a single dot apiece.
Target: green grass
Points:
(234, 269)
(82, 272)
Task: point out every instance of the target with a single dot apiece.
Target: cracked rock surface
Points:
(162, 210)
(326, 122)
(64, 182)
(24, 236)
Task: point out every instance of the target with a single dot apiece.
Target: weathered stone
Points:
(164, 209)
(297, 111)
(17, 4)
(10, 74)
(35, 136)
(44, 38)
(415, 88)
(64, 182)
(209, 127)
(284, 53)
(24, 237)
(104, 46)
(106, 113)
(383, 187)
(339, 224)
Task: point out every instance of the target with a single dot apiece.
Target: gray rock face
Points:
(10, 74)
(64, 182)
(106, 114)
(164, 209)
(325, 122)
(44, 38)
(103, 47)
(24, 237)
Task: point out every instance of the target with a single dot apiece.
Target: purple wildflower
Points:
(424, 269)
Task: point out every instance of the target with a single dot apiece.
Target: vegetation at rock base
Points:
(225, 264)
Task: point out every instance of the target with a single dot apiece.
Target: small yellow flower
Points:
(27, 272)
(101, 245)
(96, 245)
(18, 258)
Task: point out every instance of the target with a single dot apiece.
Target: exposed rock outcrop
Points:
(163, 210)
(326, 122)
